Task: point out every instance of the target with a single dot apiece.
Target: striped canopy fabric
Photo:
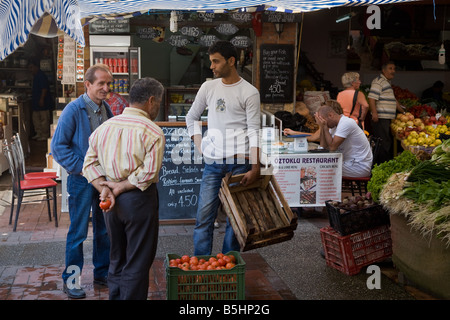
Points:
(18, 17)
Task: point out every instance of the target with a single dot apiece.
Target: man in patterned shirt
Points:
(123, 162)
(116, 102)
(383, 106)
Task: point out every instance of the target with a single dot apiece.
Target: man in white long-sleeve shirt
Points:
(230, 144)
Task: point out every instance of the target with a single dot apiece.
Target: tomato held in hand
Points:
(105, 204)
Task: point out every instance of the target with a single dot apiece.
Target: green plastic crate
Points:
(228, 284)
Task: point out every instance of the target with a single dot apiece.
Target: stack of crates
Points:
(350, 252)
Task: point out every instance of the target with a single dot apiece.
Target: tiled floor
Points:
(43, 282)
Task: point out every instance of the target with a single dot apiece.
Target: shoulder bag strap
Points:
(355, 97)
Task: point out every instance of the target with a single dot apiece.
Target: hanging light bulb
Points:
(173, 22)
(441, 58)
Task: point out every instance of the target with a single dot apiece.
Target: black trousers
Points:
(133, 226)
(382, 129)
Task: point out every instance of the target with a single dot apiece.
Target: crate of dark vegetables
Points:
(356, 213)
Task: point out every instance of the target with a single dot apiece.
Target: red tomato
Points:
(219, 255)
(105, 204)
(193, 261)
(229, 265)
(227, 259)
(212, 259)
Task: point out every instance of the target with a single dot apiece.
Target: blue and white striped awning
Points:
(18, 17)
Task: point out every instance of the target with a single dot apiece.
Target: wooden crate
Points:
(258, 213)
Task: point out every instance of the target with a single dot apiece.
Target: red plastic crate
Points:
(350, 253)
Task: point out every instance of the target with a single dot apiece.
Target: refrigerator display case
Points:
(178, 101)
(123, 60)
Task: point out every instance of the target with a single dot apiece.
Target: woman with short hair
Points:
(353, 101)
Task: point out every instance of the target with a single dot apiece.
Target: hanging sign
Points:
(59, 65)
(178, 40)
(206, 16)
(151, 33)
(242, 17)
(191, 31)
(80, 63)
(109, 26)
(241, 42)
(207, 40)
(227, 29)
(283, 17)
(68, 70)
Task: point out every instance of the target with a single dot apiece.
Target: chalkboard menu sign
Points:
(277, 73)
(180, 175)
(107, 26)
(281, 17)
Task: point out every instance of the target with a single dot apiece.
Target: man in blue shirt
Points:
(41, 103)
(69, 145)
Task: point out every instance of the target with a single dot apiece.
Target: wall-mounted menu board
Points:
(180, 175)
(107, 26)
(277, 66)
(281, 17)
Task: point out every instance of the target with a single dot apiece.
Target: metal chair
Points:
(20, 186)
(353, 185)
(31, 175)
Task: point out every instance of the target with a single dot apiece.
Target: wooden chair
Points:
(21, 188)
(359, 185)
(31, 175)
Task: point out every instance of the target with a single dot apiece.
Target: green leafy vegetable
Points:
(429, 169)
(381, 173)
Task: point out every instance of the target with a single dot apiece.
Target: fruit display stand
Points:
(416, 149)
(258, 213)
(420, 130)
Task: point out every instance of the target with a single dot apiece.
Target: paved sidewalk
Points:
(32, 259)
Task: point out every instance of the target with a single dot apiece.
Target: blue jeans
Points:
(208, 204)
(82, 198)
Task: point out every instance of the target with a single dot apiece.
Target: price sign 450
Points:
(277, 87)
(188, 200)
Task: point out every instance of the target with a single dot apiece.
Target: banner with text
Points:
(309, 179)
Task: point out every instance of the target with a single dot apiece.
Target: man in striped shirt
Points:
(123, 162)
(383, 107)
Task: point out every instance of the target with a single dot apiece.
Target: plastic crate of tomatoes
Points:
(220, 277)
(350, 253)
